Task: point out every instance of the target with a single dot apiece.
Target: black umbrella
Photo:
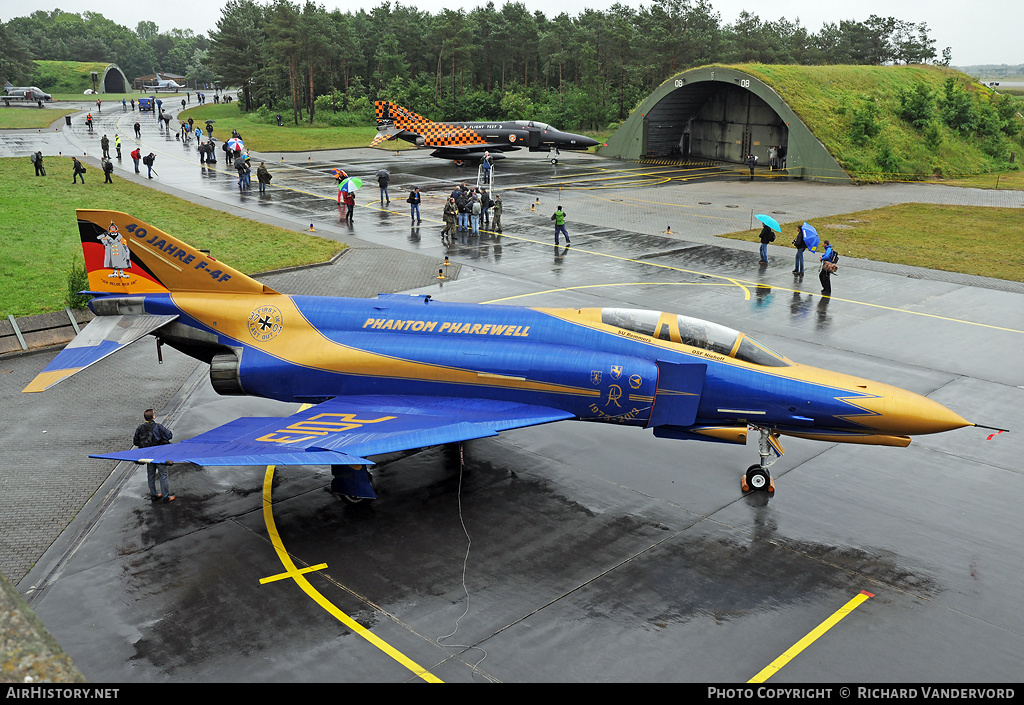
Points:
(209, 121)
(382, 173)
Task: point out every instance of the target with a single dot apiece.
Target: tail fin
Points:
(394, 120)
(127, 256)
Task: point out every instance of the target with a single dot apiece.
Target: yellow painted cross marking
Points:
(285, 576)
(773, 667)
(291, 571)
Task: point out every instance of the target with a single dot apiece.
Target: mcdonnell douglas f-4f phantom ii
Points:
(26, 92)
(166, 84)
(469, 141)
(403, 372)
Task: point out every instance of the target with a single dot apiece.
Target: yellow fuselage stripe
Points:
(293, 572)
(773, 668)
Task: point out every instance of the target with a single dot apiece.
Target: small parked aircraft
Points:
(468, 141)
(401, 372)
(161, 84)
(26, 92)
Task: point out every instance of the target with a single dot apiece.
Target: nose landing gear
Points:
(757, 477)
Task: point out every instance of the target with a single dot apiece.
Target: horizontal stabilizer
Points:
(388, 133)
(344, 430)
(104, 336)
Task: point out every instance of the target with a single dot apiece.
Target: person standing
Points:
(138, 131)
(828, 268)
(136, 155)
(497, 213)
(383, 179)
(751, 162)
(800, 247)
(474, 216)
(105, 146)
(767, 235)
(559, 217)
(414, 201)
(451, 212)
(108, 169)
(37, 160)
(263, 176)
(77, 170)
(462, 207)
(117, 146)
(148, 434)
(349, 197)
(148, 161)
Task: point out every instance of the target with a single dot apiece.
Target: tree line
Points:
(577, 72)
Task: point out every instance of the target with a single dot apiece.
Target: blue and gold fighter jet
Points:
(401, 372)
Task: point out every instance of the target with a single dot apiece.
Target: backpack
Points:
(834, 259)
(147, 160)
(32, 157)
(145, 435)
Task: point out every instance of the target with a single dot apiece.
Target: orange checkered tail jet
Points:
(472, 141)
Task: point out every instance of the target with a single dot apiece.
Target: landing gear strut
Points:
(757, 476)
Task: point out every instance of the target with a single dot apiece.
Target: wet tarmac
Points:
(569, 552)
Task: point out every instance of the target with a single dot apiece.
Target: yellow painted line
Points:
(285, 576)
(774, 667)
(294, 573)
(597, 286)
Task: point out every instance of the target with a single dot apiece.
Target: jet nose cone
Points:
(911, 414)
(587, 142)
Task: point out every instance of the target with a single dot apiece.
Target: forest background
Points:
(583, 72)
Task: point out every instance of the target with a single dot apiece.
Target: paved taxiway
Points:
(587, 552)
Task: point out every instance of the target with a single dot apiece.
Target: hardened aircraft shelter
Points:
(722, 114)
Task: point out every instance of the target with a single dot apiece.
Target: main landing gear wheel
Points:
(553, 160)
(343, 480)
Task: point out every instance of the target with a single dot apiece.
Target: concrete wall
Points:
(724, 114)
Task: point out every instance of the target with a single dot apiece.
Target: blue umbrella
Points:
(770, 222)
(810, 236)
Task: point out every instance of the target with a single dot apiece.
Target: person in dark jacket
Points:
(767, 235)
(263, 176)
(800, 247)
(77, 170)
(148, 434)
(414, 201)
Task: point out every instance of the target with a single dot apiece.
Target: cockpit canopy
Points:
(693, 332)
(534, 123)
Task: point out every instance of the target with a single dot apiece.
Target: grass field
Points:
(303, 137)
(971, 240)
(40, 233)
(27, 118)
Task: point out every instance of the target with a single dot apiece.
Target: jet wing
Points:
(344, 430)
(104, 335)
(448, 151)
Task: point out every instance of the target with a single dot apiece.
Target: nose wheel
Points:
(757, 478)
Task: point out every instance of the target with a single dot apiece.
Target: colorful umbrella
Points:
(770, 222)
(235, 144)
(351, 184)
(338, 174)
(810, 236)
